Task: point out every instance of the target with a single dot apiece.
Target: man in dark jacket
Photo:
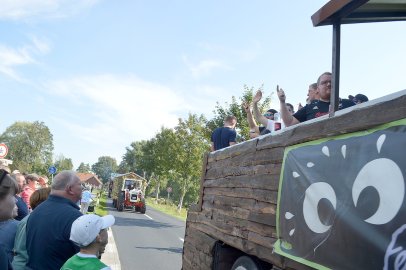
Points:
(225, 136)
(48, 227)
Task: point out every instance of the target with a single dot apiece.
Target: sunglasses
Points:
(268, 114)
(3, 175)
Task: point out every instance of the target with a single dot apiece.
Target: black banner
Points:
(341, 201)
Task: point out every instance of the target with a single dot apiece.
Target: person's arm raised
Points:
(251, 122)
(258, 116)
(287, 118)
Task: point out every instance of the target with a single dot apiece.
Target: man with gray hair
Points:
(48, 227)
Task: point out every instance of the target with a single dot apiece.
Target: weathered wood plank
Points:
(232, 210)
(266, 219)
(208, 216)
(198, 248)
(219, 201)
(263, 230)
(225, 224)
(245, 203)
(246, 246)
(261, 240)
(243, 160)
(233, 151)
(203, 175)
(256, 244)
(229, 171)
(195, 259)
(245, 193)
(274, 155)
(204, 242)
(260, 181)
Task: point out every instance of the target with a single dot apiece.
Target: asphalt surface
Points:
(152, 240)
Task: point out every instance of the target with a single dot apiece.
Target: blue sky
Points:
(102, 74)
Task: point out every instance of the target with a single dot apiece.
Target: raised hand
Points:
(281, 94)
(246, 107)
(257, 97)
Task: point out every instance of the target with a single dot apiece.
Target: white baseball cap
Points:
(86, 228)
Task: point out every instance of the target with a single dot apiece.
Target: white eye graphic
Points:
(386, 177)
(314, 193)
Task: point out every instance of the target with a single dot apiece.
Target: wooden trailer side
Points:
(239, 189)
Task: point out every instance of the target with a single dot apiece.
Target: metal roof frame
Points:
(337, 12)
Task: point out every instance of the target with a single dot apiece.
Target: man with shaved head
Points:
(48, 227)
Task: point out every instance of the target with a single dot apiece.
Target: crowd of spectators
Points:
(317, 104)
(34, 215)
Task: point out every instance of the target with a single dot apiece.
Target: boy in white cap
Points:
(89, 232)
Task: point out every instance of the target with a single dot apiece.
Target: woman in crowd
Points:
(8, 226)
(20, 249)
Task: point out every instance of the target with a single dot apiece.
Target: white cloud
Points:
(119, 109)
(221, 58)
(41, 9)
(11, 58)
(204, 67)
(93, 116)
(40, 45)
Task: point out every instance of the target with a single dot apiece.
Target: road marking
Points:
(181, 239)
(148, 216)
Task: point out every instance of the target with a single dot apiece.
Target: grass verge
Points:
(101, 209)
(167, 209)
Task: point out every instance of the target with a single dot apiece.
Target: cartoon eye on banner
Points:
(341, 201)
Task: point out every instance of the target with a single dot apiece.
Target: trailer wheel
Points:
(245, 263)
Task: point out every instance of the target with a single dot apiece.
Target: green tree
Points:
(62, 163)
(234, 108)
(132, 157)
(147, 163)
(30, 146)
(191, 144)
(157, 159)
(83, 168)
(104, 167)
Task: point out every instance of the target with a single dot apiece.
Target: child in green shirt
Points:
(89, 232)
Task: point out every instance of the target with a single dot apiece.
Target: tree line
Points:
(172, 158)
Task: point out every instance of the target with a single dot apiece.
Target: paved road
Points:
(150, 241)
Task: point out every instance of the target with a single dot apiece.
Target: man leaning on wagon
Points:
(315, 108)
(225, 136)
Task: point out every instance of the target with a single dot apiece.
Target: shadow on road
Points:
(121, 221)
(171, 249)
